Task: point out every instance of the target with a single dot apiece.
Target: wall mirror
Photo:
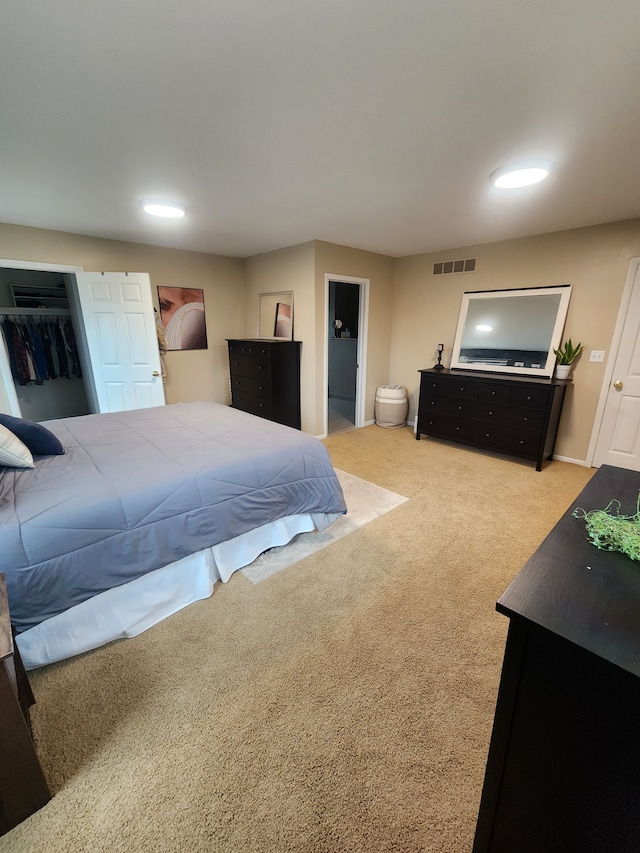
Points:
(511, 331)
(276, 315)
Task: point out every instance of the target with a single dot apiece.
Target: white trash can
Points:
(392, 406)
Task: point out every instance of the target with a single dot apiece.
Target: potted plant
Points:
(565, 356)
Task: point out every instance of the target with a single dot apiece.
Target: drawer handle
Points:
(521, 441)
(525, 419)
(433, 402)
(487, 435)
(490, 413)
(457, 429)
(529, 397)
(493, 393)
(459, 408)
(259, 367)
(260, 387)
(462, 387)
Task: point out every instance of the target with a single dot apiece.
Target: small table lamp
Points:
(439, 365)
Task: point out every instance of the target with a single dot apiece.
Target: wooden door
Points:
(618, 441)
(119, 331)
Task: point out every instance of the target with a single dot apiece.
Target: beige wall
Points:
(192, 374)
(288, 269)
(410, 310)
(302, 269)
(594, 260)
(379, 269)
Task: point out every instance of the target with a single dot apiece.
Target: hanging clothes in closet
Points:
(40, 348)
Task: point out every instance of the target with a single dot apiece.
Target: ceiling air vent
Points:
(449, 267)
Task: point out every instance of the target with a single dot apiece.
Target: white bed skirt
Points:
(128, 610)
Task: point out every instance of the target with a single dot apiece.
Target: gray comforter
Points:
(138, 490)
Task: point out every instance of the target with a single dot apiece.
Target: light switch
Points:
(597, 355)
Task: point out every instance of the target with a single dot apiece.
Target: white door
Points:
(116, 312)
(618, 441)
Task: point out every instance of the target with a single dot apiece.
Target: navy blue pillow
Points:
(39, 440)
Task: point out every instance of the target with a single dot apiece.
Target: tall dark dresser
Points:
(265, 378)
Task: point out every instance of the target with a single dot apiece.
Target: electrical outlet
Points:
(597, 355)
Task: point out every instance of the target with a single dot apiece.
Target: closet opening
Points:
(40, 340)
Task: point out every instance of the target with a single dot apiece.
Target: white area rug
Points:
(365, 502)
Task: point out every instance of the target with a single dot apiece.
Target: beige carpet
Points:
(365, 502)
(344, 705)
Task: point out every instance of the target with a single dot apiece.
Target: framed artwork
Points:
(283, 321)
(183, 318)
(276, 315)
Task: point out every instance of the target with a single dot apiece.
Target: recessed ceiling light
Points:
(521, 174)
(166, 209)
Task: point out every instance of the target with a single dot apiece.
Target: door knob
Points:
(155, 373)
(618, 385)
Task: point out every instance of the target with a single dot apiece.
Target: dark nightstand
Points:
(23, 788)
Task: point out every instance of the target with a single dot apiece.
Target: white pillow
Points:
(12, 451)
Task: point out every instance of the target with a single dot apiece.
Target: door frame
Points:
(361, 349)
(5, 369)
(632, 272)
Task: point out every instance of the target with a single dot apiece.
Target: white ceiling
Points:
(368, 123)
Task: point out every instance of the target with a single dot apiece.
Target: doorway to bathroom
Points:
(346, 320)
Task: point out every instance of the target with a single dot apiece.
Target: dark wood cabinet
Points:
(515, 415)
(563, 772)
(265, 378)
(23, 788)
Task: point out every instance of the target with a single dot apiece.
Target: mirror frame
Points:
(546, 369)
(267, 310)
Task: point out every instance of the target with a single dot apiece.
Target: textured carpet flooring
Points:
(344, 704)
(365, 501)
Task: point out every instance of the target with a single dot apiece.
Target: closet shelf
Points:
(35, 312)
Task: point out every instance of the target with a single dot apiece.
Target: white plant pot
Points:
(563, 371)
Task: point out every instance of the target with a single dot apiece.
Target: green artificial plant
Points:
(568, 352)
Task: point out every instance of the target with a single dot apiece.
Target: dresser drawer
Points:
(249, 365)
(508, 440)
(249, 385)
(252, 405)
(446, 426)
(449, 406)
(530, 398)
(247, 348)
(508, 416)
(440, 386)
(494, 393)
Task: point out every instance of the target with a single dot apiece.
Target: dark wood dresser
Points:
(563, 773)
(514, 415)
(265, 378)
(23, 788)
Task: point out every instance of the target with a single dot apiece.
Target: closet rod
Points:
(35, 312)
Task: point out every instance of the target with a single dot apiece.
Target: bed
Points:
(144, 512)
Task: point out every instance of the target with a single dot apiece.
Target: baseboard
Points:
(582, 462)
